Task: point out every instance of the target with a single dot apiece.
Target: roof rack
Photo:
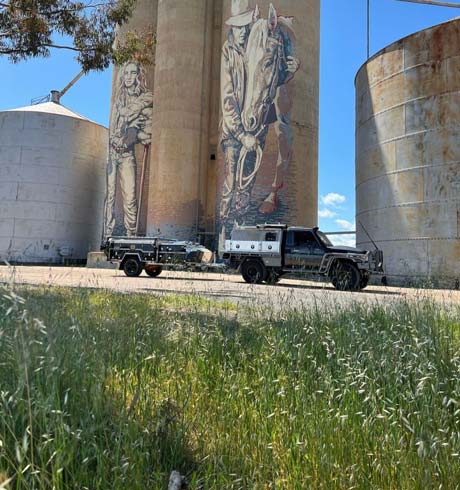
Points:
(279, 226)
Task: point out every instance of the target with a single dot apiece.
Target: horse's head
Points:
(263, 55)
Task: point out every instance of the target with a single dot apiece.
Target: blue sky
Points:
(343, 51)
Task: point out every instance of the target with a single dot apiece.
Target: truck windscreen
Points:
(324, 239)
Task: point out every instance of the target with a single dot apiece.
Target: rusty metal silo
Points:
(407, 155)
(268, 148)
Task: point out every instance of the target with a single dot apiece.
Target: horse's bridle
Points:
(268, 101)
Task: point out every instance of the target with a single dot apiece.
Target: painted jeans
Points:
(124, 166)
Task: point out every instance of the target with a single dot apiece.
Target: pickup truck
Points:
(264, 253)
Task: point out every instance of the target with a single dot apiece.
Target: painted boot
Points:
(270, 203)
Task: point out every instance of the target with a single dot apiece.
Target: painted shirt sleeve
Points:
(231, 112)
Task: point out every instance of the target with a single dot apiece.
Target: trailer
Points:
(155, 254)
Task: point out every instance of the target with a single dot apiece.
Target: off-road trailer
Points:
(153, 254)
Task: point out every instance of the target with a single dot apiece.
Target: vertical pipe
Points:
(213, 123)
(368, 29)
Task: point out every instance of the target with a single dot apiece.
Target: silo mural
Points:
(261, 81)
(196, 178)
(407, 156)
(130, 126)
(129, 155)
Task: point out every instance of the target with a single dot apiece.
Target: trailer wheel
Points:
(132, 267)
(346, 277)
(253, 272)
(153, 272)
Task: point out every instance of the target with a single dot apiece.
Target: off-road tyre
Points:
(346, 277)
(154, 272)
(132, 267)
(253, 272)
(364, 281)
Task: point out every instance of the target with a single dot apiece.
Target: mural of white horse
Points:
(271, 64)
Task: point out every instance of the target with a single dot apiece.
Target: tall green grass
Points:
(109, 391)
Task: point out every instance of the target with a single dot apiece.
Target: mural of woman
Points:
(130, 124)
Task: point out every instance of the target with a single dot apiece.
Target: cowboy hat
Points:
(242, 15)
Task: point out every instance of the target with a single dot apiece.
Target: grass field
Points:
(109, 391)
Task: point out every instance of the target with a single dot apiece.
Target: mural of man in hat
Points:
(233, 80)
(241, 72)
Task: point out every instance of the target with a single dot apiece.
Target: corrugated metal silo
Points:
(407, 155)
(52, 176)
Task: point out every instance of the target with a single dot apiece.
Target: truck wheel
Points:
(253, 272)
(132, 267)
(153, 272)
(346, 277)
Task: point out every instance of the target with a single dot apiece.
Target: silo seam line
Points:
(405, 103)
(414, 133)
(405, 170)
(403, 205)
(401, 72)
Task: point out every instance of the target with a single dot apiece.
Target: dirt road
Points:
(289, 293)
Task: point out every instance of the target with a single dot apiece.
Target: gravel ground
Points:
(288, 293)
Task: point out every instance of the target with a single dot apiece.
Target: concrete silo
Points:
(180, 136)
(268, 152)
(175, 156)
(130, 152)
(187, 159)
(407, 155)
(52, 175)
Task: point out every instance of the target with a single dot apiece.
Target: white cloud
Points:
(344, 240)
(345, 225)
(326, 213)
(333, 199)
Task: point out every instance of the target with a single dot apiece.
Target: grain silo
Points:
(130, 152)
(52, 176)
(180, 136)
(181, 139)
(407, 155)
(268, 154)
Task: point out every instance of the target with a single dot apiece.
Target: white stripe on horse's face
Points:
(263, 66)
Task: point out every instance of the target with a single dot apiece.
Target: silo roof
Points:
(51, 108)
